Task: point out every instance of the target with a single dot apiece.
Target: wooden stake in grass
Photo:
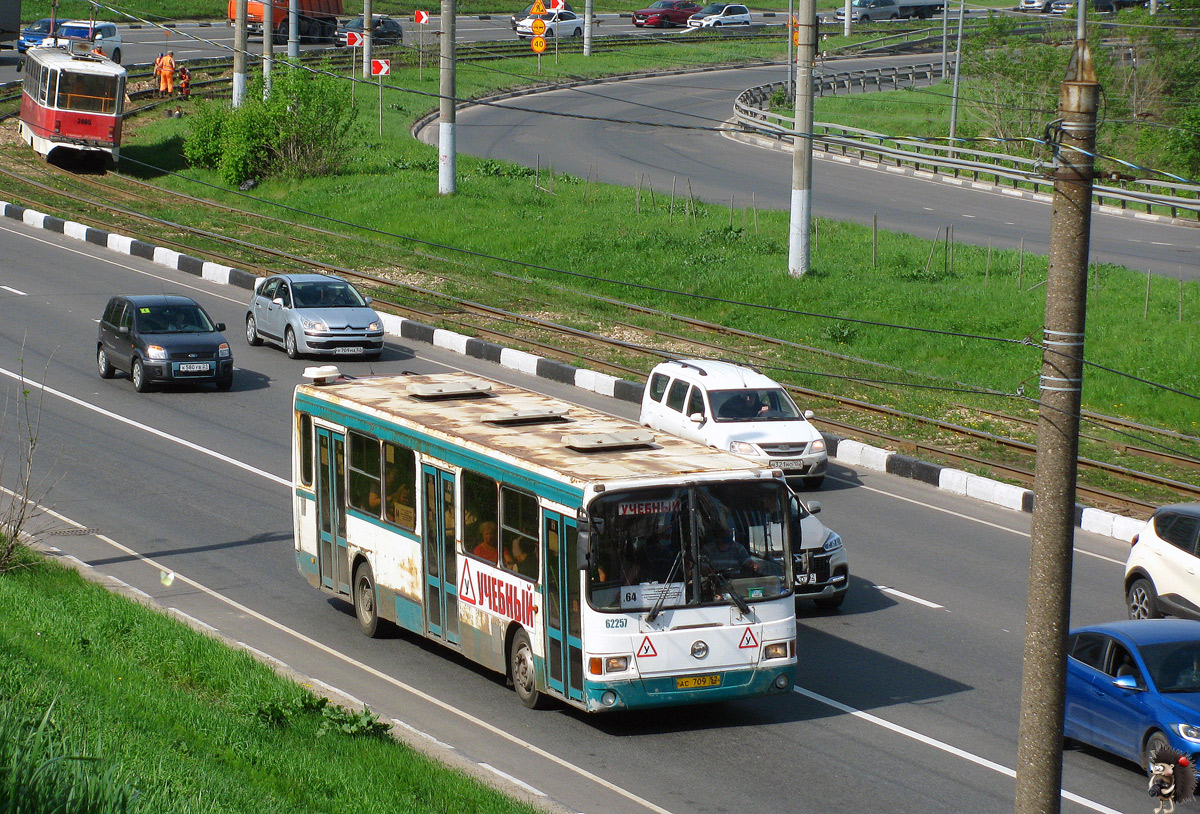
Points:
(1021, 266)
(987, 267)
(730, 211)
(950, 241)
(754, 208)
(1146, 307)
(1181, 295)
(637, 197)
(671, 208)
(874, 240)
(933, 248)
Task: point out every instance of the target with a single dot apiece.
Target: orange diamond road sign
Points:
(539, 27)
(538, 7)
(353, 38)
(381, 67)
(421, 17)
(538, 44)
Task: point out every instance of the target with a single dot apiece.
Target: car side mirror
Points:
(123, 330)
(368, 300)
(697, 418)
(1126, 683)
(809, 415)
(220, 326)
(278, 301)
(814, 507)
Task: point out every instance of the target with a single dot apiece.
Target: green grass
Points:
(187, 723)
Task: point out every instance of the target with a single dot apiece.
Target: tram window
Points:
(481, 513)
(400, 478)
(519, 532)
(90, 93)
(306, 449)
(365, 492)
(45, 84)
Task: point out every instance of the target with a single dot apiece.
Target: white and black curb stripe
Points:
(844, 451)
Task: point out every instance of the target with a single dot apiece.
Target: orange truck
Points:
(318, 18)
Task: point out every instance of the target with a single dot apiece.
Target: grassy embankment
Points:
(618, 235)
(146, 713)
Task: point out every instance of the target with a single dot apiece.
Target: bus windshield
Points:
(670, 547)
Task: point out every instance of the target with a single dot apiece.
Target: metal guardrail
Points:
(751, 110)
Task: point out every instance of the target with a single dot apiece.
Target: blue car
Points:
(33, 34)
(1134, 686)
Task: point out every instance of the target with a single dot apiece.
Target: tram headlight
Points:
(155, 352)
(779, 650)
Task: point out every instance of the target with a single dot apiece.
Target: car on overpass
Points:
(665, 13)
(716, 15)
(34, 34)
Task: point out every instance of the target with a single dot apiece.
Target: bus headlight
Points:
(779, 650)
(616, 664)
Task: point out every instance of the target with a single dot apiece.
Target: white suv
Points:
(81, 36)
(735, 409)
(719, 14)
(1162, 574)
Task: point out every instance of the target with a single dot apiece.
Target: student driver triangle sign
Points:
(466, 589)
(748, 640)
(647, 649)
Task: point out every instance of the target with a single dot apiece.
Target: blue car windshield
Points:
(326, 294)
(172, 319)
(1174, 666)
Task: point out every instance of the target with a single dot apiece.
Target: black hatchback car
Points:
(162, 338)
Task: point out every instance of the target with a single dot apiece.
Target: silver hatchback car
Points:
(313, 314)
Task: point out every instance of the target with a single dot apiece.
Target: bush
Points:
(306, 128)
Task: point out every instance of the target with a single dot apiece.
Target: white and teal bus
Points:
(583, 557)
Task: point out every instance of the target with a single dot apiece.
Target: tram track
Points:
(625, 347)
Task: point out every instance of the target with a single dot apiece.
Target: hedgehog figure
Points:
(1172, 779)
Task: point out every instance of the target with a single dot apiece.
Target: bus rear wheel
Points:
(365, 607)
(524, 673)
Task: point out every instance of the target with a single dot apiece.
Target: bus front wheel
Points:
(524, 673)
(365, 607)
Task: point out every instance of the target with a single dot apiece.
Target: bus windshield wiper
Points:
(662, 598)
(725, 585)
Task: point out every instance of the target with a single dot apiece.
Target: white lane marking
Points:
(102, 258)
(366, 668)
(943, 746)
(909, 597)
(961, 516)
(513, 780)
(146, 428)
(16, 291)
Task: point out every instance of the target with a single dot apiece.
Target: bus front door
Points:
(560, 598)
(441, 563)
(334, 561)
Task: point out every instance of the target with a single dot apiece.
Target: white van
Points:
(735, 409)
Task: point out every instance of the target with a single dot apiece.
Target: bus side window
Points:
(306, 449)
(400, 481)
(365, 486)
(481, 513)
(519, 532)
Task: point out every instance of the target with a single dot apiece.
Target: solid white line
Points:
(943, 746)
(513, 780)
(909, 597)
(366, 668)
(14, 290)
(146, 428)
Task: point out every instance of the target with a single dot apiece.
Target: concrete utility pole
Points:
(846, 20)
(589, 19)
(447, 184)
(1047, 615)
(239, 53)
(368, 39)
(293, 29)
(806, 53)
(268, 8)
(962, 4)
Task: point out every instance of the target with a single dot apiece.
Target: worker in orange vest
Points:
(166, 75)
(185, 82)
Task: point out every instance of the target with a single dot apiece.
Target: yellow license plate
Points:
(696, 682)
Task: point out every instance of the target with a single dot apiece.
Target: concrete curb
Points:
(842, 450)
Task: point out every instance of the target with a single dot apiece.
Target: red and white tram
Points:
(72, 101)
